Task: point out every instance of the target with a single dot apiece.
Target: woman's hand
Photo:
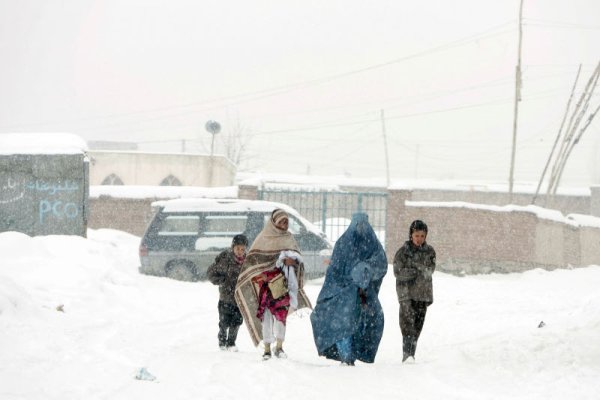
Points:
(290, 261)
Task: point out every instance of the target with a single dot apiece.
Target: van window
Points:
(180, 225)
(294, 226)
(224, 225)
(219, 230)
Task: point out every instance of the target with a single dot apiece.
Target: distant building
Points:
(43, 184)
(159, 169)
(110, 145)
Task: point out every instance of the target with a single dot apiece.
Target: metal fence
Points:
(332, 211)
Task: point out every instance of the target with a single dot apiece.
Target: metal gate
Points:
(332, 211)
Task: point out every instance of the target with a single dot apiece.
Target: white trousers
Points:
(272, 328)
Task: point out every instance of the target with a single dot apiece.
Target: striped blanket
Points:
(262, 257)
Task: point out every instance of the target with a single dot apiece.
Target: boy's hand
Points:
(407, 274)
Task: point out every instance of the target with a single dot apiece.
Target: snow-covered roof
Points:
(334, 182)
(41, 143)
(232, 205)
(305, 182)
(162, 192)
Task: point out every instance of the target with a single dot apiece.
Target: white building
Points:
(159, 169)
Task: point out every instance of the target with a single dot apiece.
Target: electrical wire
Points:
(260, 94)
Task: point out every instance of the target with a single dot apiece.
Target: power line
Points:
(364, 122)
(557, 24)
(410, 115)
(425, 97)
(260, 94)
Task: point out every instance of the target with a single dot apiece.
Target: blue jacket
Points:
(348, 304)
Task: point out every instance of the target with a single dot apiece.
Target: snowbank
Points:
(77, 320)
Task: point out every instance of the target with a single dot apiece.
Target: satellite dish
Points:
(213, 127)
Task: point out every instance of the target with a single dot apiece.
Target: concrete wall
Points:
(128, 215)
(137, 168)
(467, 239)
(44, 194)
(595, 201)
(471, 240)
(567, 204)
(589, 245)
(110, 209)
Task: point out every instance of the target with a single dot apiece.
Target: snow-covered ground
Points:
(77, 321)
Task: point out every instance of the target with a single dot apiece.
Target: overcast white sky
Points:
(307, 80)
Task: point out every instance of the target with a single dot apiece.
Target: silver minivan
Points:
(185, 235)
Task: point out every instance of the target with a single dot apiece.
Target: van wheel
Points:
(181, 272)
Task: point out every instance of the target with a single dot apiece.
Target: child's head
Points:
(417, 232)
(238, 244)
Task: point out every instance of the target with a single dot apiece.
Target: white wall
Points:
(138, 168)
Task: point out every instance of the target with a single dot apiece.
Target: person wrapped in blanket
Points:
(275, 303)
(273, 265)
(348, 318)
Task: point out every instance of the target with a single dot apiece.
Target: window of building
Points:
(170, 181)
(112, 179)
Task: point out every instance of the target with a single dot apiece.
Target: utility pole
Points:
(560, 130)
(516, 112)
(385, 147)
(572, 137)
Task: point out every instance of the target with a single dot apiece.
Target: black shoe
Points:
(348, 363)
(266, 355)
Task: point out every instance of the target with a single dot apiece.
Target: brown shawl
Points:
(262, 256)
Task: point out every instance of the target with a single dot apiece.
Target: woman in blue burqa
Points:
(348, 319)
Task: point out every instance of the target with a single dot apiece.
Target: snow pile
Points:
(41, 143)
(77, 320)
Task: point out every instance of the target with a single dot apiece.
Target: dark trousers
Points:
(412, 318)
(230, 319)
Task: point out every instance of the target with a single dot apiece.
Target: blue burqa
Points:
(348, 310)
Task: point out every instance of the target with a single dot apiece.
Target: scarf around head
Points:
(279, 214)
(273, 240)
